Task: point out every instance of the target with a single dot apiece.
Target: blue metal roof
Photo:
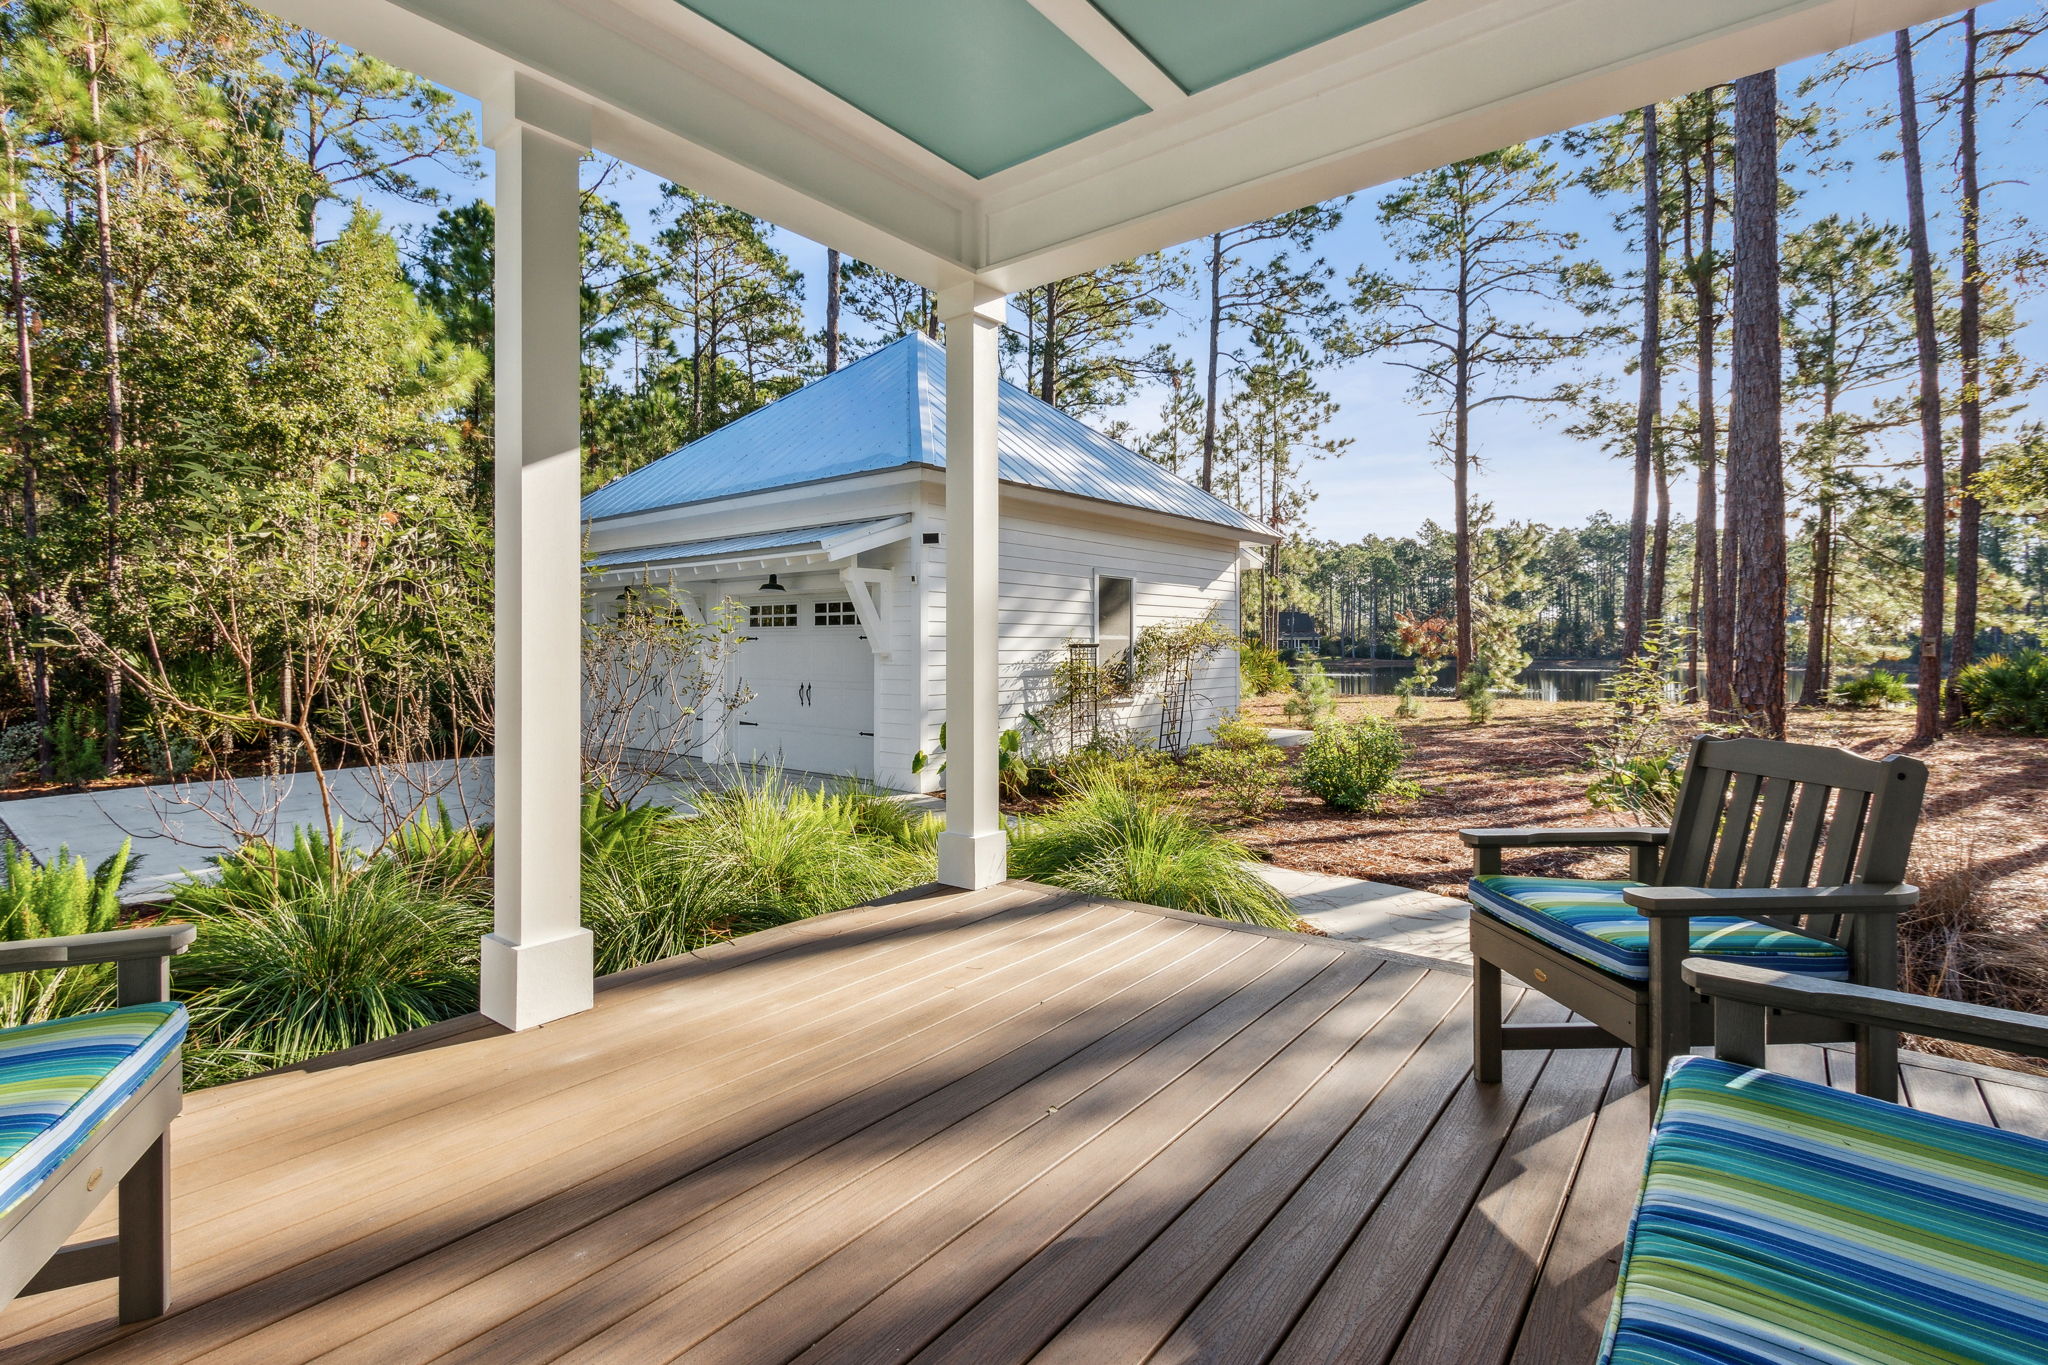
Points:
(761, 541)
(889, 409)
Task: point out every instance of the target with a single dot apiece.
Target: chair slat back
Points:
(1755, 812)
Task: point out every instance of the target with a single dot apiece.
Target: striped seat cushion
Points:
(60, 1080)
(1590, 921)
(1782, 1221)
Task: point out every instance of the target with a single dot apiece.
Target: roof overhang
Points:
(1439, 80)
(771, 552)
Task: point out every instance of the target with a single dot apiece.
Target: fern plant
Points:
(53, 902)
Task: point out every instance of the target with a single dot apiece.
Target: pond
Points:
(1539, 682)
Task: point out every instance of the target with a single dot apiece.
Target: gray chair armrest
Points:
(1579, 836)
(118, 945)
(1869, 1007)
(1751, 901)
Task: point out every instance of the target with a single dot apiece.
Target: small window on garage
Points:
(834, 614)
(1113, 624)
(771, 615)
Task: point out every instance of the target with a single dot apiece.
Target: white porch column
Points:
(971, 851)
(537, 962)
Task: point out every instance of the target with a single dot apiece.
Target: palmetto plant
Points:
(52, 902)
(312, 948)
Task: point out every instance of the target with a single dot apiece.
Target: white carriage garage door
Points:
(807, 662)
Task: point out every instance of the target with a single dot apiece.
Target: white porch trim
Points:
(972, 851)
(537, 961)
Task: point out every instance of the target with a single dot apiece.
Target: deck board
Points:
(997, 1126)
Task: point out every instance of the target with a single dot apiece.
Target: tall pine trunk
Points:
(1215, 352)
(831, 309)
(1461, 489)
(1933, 512)
(1820, 606)
(1970, 402)
(1648, 401)
(1717, 614)
(1756, 475)
(31, 460)
(110, 340)
(1049, 358)
(1656, 588)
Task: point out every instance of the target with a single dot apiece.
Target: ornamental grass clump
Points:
(762, 853)
(316, 947)
(61, 899)
(1356, 765)
(1108, 840)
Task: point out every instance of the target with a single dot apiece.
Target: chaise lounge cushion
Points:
(1782, 1221)
(60, 1080)
(1590, 921)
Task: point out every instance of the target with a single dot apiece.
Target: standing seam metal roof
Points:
(887, 410)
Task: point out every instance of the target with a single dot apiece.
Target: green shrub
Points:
(52, 902)
(313, 948)
(1475, 689)
(2006, 692)
(1117, 763)
(1314, 698)
(1139, 846)
(76, 756)
(1407, 705)
(1875, 689)
(18, 744)
(755, 856)
(1246, 779)
(1233, 732)
(1261, 670)
(1356, 765)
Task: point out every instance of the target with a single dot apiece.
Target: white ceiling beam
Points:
(1092, 31)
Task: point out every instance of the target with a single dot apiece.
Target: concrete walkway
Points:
(1395, 919)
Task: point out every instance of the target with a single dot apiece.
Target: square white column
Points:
(972, 850)
(537, 962)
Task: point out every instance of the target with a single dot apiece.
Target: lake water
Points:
(1540, 682)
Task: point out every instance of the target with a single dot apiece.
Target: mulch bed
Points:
(1986, 815)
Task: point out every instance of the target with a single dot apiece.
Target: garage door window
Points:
(771, 615)
(834, 614)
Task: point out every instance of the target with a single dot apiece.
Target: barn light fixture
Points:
(771, 586)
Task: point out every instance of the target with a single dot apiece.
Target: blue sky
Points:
(1387, 482)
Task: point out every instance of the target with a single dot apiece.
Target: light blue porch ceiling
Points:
(985, 84)
(1201, 43)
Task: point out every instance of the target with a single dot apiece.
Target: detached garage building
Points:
(823, 517)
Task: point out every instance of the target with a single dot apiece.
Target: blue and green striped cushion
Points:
(1590, 921)
(1782, 1221)
(60, 1080)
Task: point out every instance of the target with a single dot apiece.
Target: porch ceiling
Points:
(1016, 141)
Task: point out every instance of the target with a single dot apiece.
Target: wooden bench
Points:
(86, 1105)
(1785, 1221)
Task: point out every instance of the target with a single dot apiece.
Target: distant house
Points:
(823, 517)
(1298, 630)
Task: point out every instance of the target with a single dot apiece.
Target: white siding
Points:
(1051, 555)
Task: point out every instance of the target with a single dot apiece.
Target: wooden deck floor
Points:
(967, 1127)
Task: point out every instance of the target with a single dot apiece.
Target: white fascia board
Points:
(738, 513)
(854, 543)
(1022, 497)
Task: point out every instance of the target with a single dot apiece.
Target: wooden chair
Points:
(1786, 856)
(1781, 1219)
(85, 1098)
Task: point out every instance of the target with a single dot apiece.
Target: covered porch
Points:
(982, 1126)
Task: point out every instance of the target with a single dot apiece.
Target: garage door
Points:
(807, 662)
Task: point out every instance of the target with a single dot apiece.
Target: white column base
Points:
(528, 984)
(973, 861)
